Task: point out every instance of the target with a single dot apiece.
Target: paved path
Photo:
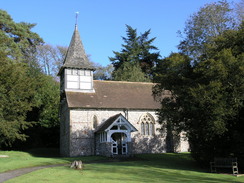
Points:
(15, 173)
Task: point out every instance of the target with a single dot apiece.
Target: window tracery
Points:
(147, 125)
(95, 122)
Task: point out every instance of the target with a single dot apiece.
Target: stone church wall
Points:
(82, 132)
(103, 148)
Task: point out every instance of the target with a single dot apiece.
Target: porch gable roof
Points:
(109, 122)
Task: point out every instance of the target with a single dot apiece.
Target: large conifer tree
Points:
(136, 52)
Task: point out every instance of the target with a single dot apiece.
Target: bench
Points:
(224, 163)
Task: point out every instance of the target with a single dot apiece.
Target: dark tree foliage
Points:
(28, 98)
(130, 72)
(17, 93)
(207, 97)
(43, 116)
(17, 40)
(137, 51)
(16, 96)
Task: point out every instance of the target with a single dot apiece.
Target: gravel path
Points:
(15, 173)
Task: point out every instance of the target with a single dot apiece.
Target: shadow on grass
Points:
(169, 167)
(44, 152)
(54, 154)
(154, 163)
(178, 161)
(155, 175)
(159, 168)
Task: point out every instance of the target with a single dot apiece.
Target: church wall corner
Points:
(64, 129)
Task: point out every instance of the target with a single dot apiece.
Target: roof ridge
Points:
(111, 81)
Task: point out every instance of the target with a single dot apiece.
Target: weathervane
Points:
(76, 17)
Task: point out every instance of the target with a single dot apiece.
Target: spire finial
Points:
(76, 18)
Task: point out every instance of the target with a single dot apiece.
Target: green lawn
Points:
(37, 157)
(161, 168)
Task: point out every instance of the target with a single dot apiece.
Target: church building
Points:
(109, 118)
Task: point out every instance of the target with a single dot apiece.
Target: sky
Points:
(102, 23)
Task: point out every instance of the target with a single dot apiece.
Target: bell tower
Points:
(76, 74)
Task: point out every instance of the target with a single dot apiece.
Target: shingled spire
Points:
(76, 74)
(76, 56)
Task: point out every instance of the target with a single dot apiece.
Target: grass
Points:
(163, 168)
(36, 157)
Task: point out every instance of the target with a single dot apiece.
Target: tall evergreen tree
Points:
(130, 72)
(137, 51)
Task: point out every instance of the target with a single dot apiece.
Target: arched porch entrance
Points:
(119, 143)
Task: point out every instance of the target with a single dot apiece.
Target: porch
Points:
(113, 137)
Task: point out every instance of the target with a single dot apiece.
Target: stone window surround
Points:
(147, 122)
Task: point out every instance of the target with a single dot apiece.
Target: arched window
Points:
(94, 123)
(147, 124)
(151, 129)
(142, 128)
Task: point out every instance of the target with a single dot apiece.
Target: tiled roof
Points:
(115, 95)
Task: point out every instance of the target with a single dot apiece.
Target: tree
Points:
(17, 86)
(50, 58)
(203, 26)
(173, 76)
(44, 115)
(137, 52)
(103, 72)
(207, 97)
(239, 11)
(17, 40)
(130, 72)
(16, 94)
